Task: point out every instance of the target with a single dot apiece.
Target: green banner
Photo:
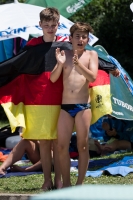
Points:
(121, 88)
(101, 53)
(67, 8)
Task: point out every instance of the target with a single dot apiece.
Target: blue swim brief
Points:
(73, 109)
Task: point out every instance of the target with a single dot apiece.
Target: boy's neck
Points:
(49, 39)
(79, 52)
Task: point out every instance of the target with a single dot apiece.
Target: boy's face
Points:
(49, 27)
(79, 40)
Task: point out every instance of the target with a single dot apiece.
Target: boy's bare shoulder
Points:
(92, 52)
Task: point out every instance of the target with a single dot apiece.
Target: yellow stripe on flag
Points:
(38, 122)
(100, 101)
(15, 114)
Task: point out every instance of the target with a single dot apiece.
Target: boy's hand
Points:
(60, 56)
(115, 72)
(111, 132)
(75, 58)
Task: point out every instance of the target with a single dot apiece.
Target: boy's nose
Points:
(50, 27)
(80, 39)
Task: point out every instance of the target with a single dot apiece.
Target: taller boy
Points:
(49, 21)
(79, 67)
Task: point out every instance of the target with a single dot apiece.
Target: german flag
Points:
(100, 96)
(29, 98)
(32, 101)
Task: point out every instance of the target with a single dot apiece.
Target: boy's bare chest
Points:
(69, 65)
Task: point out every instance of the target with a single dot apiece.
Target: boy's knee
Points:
(25, 142)
(82, 148)
(61, 148)
(54, 142)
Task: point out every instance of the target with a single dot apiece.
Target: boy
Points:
(49, 21)
(79, 67)
(31, 148)
(119, 133)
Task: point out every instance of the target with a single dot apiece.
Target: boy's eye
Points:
(84, 37)
(47, 26)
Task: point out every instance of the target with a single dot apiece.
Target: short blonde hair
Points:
(81, 26)
(49, 14)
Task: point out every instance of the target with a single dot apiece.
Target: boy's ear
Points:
(40, 24)
(88, 39)
(70, 38)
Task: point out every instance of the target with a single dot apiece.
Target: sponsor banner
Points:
(122, 99)
(66, 8)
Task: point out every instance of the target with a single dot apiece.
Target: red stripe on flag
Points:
(102, 79)
(32, 90)
(39, 90)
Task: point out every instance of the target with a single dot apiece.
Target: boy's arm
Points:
(61, 58)
(105, 126)
(55, 74)
(90, 73)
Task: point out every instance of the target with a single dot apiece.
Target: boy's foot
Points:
(15, 168)
(47, 186)
(2, 171)
(58, 184)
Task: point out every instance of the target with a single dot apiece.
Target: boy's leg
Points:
(65, 128)
(45, 153)
(111, 147)
(24, 146)
(57, 180)
(82, 122)
(32, 149)
(123, 145)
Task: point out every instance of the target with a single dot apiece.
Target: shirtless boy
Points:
(31, 148)
(79, 67)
